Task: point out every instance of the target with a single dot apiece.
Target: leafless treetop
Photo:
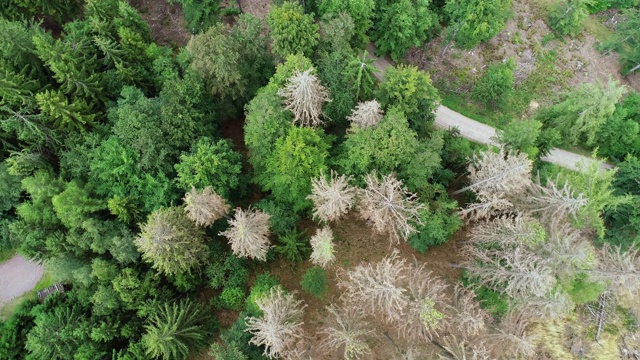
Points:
(248, 234)
(347, 329)
(205, 207)
(322, 245)
(304, 96)
(366, 114)
(333, 198)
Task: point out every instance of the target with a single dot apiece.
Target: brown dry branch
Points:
(511, 340)
(489, 206)
(347, 329)
(390, 207)
(469, 317)
(517, 273)
(205, 207)
(552, 202)
(424, 314)
(366, 114)
(456, 349)
(279, 326)
(553, 306)
(304, 96)
(377, 287)
(508, 232)
(333, 198)
(248, 234)
(322, 245)
(620, 269)
(568, 251)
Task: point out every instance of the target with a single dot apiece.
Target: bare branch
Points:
(347, 330)
(248, 234)
(205, 207)
(503, 172)
(461, 350)
(304, 96)
(366, 114)
(333, 198)
(512, 338)
(470, 317)
(322, 245)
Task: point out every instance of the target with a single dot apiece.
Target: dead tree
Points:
(331, 199)
(508, 232)
(502, 172)
(205, 207)
(304, 96)
(512, 339)
(390, 207)
(377, 288)
(279, 326)
(460, 349)
(366, 114)
(469, 318)
(248, 234)
(347, 331)
(322, 245)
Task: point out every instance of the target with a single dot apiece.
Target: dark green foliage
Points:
(314, 281)
(623, 222)
(291, 30)
(360, 76)
(229, 352)
(285, 70)
(134, 287)
(200, 14)
(474, 21)
(336, 32)
(282, 219)
(626, 40)
(233, 61)
(299, 156)
(410, 89)
(496, 85)
(403, 24)
(212, 164)
(13, 332)
(567, 17)
(175, 328)
(331, 70)
(621, 134)
(60, 10)
(10, 194)
(361, 11)
(293, 246)
(494, 302)
(521, 135)
(438, 225)
(260, 288)
(226, 270)
(236, 340)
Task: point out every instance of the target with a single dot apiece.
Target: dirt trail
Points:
(481, 133)
(17, 276)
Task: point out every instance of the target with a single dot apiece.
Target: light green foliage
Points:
(521, 135)
(336, 31)
(299, 156)
(260, 288)
(212, 164)
(567, 18)
(314, 281)
(438, 224)
(359, 74)
(284, 71)
(410, 89)
(621, 134)
(232, 298)
(361, 11)
(230, 352)
(293, 246)
(626, 40)
(403, 24)
(200, 15)
(171, 242)
(496, 85)
(391, 146)
(474, 21)
(232, 60)
(583, 291)
(585, 110)
(291, 30)
(596, 185)
(266, 121)
(175, 328)
(74, 205)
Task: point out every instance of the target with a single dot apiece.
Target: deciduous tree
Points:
(475, 21)
(291, 30)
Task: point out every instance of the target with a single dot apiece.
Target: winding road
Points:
(481, 133)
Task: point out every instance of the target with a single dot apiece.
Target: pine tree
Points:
(248, 234)
(304, 96)
(331, 199)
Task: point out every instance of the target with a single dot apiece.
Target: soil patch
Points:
(17, 276)
(165, 20)
(257, 8)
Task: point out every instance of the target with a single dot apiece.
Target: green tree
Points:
(410, 89)
(567, 17)
(299, 156)
(403, 24)
(626, 41)
(232, 60)
(623, 222)
(621, 134)
(314, 281)
(291, 30)
(336, 32)
(585, 110)
(171, 242)
(74, 205)
(495, 87)
(200, 15)
(173, 329)
(212, 164)
(522, 136)
(331, 70)
(361, 11)
(474, 21)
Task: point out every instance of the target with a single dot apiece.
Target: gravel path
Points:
(481, 133)
(17, 276)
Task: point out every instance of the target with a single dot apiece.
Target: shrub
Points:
(437, 227)
(496, 85)
(314, 282)
(293, 245)
(567, 18)
(231, 298)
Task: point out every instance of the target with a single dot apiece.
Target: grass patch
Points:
(6, 254)
(464, 105)
(593, 25)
